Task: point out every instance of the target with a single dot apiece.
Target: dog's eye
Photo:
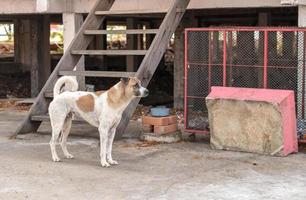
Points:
(136, 86)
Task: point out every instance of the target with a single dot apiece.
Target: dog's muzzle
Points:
(144, 92)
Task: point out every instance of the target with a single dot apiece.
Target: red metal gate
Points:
(251, 57)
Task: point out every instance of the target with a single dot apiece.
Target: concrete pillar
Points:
(178, 84)
(131, 44)
(301, 71)
(72, 23)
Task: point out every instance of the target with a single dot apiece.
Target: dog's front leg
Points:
(110, 147)
(103, 131)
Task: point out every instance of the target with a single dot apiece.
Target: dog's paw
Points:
(105, 164)
(56, 159)
(69, 156)
(113, 162)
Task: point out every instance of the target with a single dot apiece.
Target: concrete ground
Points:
(185, 170)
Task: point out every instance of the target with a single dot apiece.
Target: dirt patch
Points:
(144, 144)
(13, 105)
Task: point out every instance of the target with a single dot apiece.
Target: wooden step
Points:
(130, 31)
(45, 117)
(109, 52)
(48, 94)
(113, 74)
(128, 12)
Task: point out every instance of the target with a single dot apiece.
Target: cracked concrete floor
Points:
(185, 170)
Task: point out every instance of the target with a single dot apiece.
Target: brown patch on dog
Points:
(116, 96)
(99, 93)
(86, 103)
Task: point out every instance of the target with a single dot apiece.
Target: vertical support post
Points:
(265, 77)
(17, 25)
(303, 76)
(263, 20)
(230, 52)
(44, 51)
(224, 58)
(72, 24)
(34, 33)
(185, 78)
(301, 83)
(131, 44)
(210, 49)
(101, 43)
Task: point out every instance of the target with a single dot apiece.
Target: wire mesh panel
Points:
(244, 63)
(250, 57)
(203, 70)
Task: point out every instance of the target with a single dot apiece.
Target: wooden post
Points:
(101, 43)
(33, 49)
(34, 32)
(72, 23)
(131, 44)
(44, 50)
(17, 25)
(23, 45)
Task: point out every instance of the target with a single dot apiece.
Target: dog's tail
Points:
(65, 83)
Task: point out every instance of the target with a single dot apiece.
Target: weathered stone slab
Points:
(252, 120)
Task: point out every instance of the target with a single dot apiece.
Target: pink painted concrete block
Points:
(252, 120)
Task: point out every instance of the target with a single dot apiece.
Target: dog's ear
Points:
(125, 81)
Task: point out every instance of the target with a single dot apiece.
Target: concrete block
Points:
(252, 120)
(165, 129)
(167, 138)
(159, 121)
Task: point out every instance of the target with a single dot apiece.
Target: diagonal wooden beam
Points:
(154, 55)
(67, 62)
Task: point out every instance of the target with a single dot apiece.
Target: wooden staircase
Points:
(78, 48)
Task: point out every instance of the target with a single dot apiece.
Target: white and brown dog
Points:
(101, 109)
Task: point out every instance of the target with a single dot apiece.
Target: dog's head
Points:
(133, 87)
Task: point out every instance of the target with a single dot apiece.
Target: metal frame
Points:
(225, 65)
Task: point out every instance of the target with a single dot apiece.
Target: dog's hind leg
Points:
(65, 133)
(57, 120)
(56, 129)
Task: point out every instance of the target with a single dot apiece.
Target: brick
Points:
(165, 129)
(159, 121)
(147, 128)
(172, 119)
